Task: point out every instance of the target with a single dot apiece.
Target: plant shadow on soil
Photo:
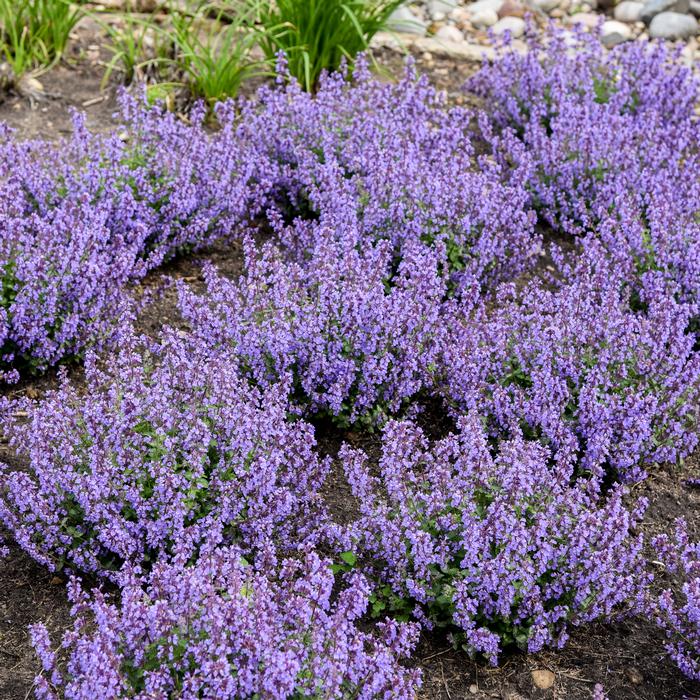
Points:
(627, 658)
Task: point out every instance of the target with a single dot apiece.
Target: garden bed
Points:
(627, 658)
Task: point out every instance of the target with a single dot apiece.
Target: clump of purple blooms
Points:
(678, 612)
(501, 546)
(84, 218)
(168, 445)
(359, 333)
(609, 379)
(225, 629)
(613, 140)
(379, 161)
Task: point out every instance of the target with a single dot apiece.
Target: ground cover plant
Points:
(169, 447)
(358, 333)
(87, 217)
(501, 546)
(371, 161)
(678, 614)
(614, 140)
(608, 379)
(226, 629)
(393, 267)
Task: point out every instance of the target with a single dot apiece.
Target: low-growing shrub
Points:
(499, 548)
(223, 629)
(167, 445)
(608, 380)
(359, 333)
(388, 162)
(85, 217)
(613, 140)
(678, 613)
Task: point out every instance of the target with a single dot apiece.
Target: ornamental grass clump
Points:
(495, 545)
(166, 446)
(34, 33)
(677, 612)
(225, 629)
(388, 162)
(359, 333)
(608, 380)
(318, 36)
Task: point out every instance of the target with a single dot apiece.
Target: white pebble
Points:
(484, 18)
(480, 5)
(614, 27)
(514, 25)
(449, 33)
(628, 11)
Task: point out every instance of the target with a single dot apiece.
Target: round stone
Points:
(588, 19)
(402, 20)
(449, 33)
(546, 5)
(484, 18)
(480, 5)
(628, 11)
(514, 25)
(619, 28)
(673, 25)
(439, 9)
(655, 7)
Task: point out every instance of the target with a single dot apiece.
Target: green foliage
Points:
(34, 33)
(212, 51)
(200, 47)
(316, 35)
(137, 46)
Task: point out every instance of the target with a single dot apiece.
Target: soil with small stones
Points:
(626, 658)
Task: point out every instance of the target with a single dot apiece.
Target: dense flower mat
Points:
(393, 255)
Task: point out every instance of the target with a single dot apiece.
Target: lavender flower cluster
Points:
(608, 380)
(169, 446)
(678, 613)
(84, 218)
(185, 470)
(372, 161)
(359, 334)
(225, 629)
(613, 139)
(502, 546)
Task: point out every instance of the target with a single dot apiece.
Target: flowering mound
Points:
(501, 546)
(613, 140)
(606, 378)
(224, 629)
(359, 334)
(84, 218)
(168, 447)
(678, 614)
(378, 161)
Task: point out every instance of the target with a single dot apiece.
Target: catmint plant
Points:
(167, 445)
(677, 611)
(223, 628)
(496, 545)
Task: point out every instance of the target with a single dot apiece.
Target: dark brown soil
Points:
(626, 658)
